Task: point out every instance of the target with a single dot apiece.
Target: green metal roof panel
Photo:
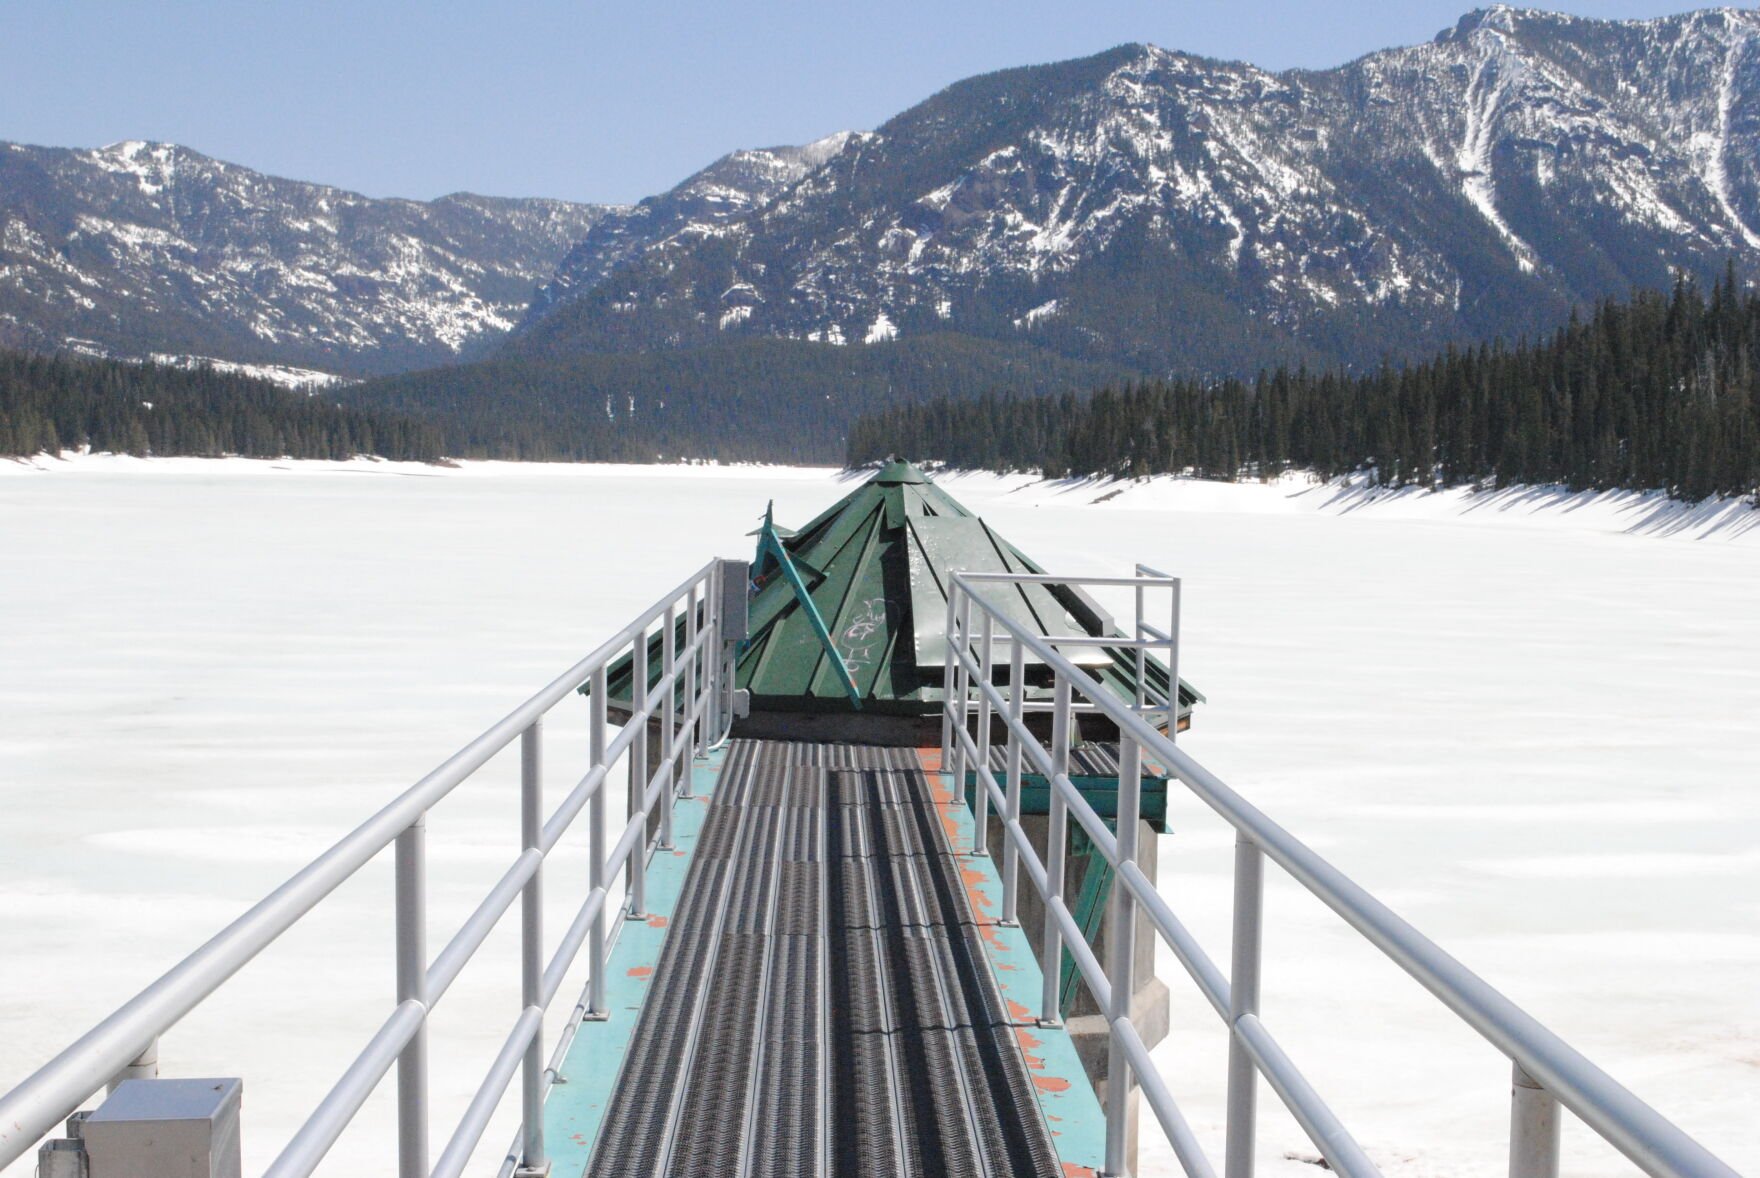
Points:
(876, 566)
(943, 545)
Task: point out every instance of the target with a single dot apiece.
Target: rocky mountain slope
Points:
(1176, 213)
(145, 248)
(728, 189)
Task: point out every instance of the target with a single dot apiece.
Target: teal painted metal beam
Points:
(770, 544)
(577, 1102)
(1066, 1098)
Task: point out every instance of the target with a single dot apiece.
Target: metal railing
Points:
(1547, 1071)
(690, 704)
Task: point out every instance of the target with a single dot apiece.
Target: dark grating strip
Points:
(823, 1005)
(1091, 759)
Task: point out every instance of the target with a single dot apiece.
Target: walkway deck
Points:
(813, 994)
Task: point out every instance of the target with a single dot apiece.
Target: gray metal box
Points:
(166, 1129)
(736, 579)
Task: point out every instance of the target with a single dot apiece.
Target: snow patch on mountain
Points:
(308, 380)
(153, 242)
(1712, 149)
(1498, 70)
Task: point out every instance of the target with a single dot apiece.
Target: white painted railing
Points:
(691, 706)
(1548, 1073)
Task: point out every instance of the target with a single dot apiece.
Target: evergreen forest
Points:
(55, 403)
(1659, 391)
(753, 400)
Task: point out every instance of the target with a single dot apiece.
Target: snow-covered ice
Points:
(1526, 721)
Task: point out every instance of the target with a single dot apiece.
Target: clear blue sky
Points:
(609, 100)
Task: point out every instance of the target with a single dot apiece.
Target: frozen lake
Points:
(1530, 726)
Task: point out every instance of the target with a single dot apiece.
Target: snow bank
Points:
(1649, 513)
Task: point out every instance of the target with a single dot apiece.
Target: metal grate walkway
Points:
(823, 1005)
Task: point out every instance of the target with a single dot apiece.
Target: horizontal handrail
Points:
(1655, 1144)
(471, 935)
(1055, 579)
(1161, 1102)
(1322, 1126)
(457, 1154)
(323, 1127)
(1092, 823)
(1094, 640)
(1288, 1079)
(1209, 979)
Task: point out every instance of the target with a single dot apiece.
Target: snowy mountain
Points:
(726, 190)
(144, 248)
(1173, 212)
(1140, 210)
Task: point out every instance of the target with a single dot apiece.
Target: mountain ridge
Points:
(1479, 184)
(140, 247)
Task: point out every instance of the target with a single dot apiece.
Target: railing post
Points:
(668, 721)
(596, 843)
(1056, 838)
(1121, 970)
(723, 691)
(732, 627)
(412, 985)
(636, 873)
(1173, 666)
(710, 667)
(1017, 689)
(144, 1066)
(981, 771)
(1243, 998)
(947, 677)
(964, 678)
(531, 986)
(712, 659)
(729, 684)
(1533, 1128)
(1141, 652)
(694, 693)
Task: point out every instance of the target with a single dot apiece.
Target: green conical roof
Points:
(877, 565)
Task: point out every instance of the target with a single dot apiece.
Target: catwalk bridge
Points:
(815, 956)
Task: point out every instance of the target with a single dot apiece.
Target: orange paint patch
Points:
(929, 759)
(1071, 1170)
(1016, 1010)
(1051, 1083)
(1027, 1043)
(641, 971)
(657, 922)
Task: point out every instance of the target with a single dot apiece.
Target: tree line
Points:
(55, 403)
(1659, 391)
(748, 400)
